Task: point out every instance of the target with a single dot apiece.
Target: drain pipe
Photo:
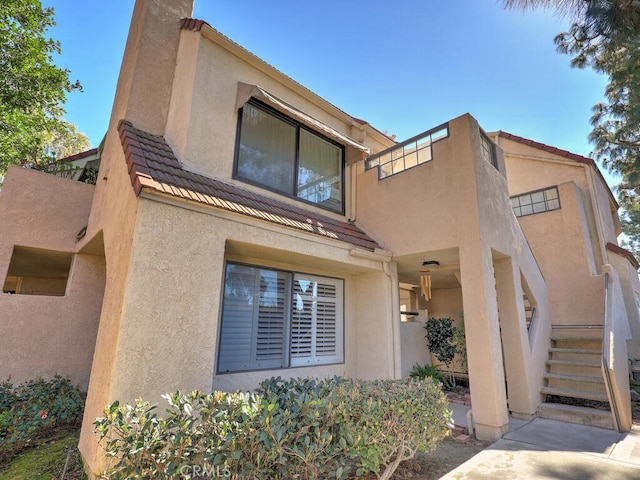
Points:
(393, 310)
(470, 427)
(395, 318)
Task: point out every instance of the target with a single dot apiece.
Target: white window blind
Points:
(316, 320)
(273, 319)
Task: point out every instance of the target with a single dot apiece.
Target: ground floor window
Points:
(278, 319)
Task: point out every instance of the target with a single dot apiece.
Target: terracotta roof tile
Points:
(152, 164)
(78, 156)
(612, 247)
(192, 24)
(547, 148)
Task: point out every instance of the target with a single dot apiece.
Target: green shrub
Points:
(34, 408)
(426, 371)
(304, 428)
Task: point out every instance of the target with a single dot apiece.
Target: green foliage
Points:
(439, 339)
(34, 408)
(32, 89)
(304, 428)
(423, 372)
(459, 341)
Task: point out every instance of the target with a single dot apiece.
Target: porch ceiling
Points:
(443, 276)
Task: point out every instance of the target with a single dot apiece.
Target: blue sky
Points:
(403, 66)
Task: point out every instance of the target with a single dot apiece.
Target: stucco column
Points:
(515, 344)
(484, 351)
(376, 352)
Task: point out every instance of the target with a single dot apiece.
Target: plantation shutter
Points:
(316, 320)
(254, 326)
(273, 311)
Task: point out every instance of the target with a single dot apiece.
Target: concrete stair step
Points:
(575, 338)
(576, 382)
(569, 392)
(574, 363)
(569, 368)
(577, 342)
(574, 378)
(578, 351)
(575, 414)
(575, 354)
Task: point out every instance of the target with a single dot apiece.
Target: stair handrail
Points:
(606, 354)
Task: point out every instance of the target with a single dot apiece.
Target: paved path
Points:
(547, 449)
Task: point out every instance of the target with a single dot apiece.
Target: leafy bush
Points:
(440, 339)
(304, 428)
(423, 372)
(459, 341)
(34, 408)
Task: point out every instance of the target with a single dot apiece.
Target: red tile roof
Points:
(153, 165)
(548, 148)
(612, 247)
(78, 156)
(192, 24)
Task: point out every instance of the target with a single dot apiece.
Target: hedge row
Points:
(303, 428)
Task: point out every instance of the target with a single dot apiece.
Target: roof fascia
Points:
(571, 157)
(239, 51)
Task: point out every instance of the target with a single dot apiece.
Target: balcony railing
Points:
(408, 154)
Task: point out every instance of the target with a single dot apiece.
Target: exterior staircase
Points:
(574, 387)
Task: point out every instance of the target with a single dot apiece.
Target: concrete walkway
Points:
(548, 449)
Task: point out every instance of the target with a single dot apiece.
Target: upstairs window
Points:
(274, 319)
(488, 150)
(280, 154)
(537, 201)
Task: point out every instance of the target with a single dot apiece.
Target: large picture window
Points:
(280, 154)
(275, 319)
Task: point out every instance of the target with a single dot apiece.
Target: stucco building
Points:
(242, 227)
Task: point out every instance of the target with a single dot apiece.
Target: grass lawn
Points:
(46, 459)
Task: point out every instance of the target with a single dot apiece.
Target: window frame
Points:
(545, 201)
(290, 360)
(488, 149)
(296, 167)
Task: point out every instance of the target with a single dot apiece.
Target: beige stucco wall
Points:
(175, 335)
(202, 123)
(45, 335)
(459, 200)
(142, 96)
(569, 243)
(413, 345)
(630, 289)
(562, 244)
(615, 365)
